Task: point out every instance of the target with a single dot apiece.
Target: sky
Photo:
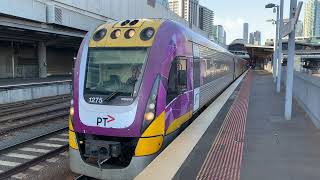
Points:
(233, 13)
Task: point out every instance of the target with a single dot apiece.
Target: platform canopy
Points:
(259, 55)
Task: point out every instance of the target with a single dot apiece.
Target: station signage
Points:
(290, 26)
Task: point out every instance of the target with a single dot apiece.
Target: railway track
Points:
(33, 112)
(21, 156)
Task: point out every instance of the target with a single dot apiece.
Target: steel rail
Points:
(23, 166)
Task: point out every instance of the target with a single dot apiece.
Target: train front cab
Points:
(173, 107)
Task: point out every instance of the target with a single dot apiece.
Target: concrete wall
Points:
(124, 9)
(34, 92)
(22, 55)
(5, 62)
(60, 61)
(29, 9)
(86, 14)
(306, 90)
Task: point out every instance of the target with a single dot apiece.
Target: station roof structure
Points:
(256, 52)
(259, 52)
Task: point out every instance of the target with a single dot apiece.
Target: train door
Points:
(196, 84)
(178, 100)
(196, 78)
(179, 93)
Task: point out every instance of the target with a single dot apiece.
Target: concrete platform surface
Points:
(275, 148)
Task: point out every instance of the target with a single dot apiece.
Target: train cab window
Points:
(177, 81)
(114, 75)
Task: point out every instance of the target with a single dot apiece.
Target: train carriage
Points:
(136, 83)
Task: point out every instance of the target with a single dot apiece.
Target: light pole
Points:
(280, 46)
(290, 63)
(275, 53)
(278, 52)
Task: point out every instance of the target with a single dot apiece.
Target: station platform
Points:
(32, 81)
(17, 90)
(246, 138)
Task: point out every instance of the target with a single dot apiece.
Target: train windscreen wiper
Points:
(112, 95)
(115, 94)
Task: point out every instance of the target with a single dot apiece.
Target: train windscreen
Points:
(113, 76)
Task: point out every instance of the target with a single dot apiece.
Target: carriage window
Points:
(196, 73)
(177, 82)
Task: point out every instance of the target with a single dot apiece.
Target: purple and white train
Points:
(137, 83)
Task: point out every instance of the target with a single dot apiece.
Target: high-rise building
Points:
(312, 18)
(162, 2)
(177, 7)
(206, 19)
(245, 32)
(255, 38)
(224, 37)
(251, 40)
(220, 35)
(187, 9)
(299, 29)
(191, 8)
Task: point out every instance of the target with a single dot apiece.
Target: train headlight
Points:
(152, 106)
(71, 111)
(130, 33)
(149, 116)
(116, 34)
(150, 111)
(100, 34)
(147, 33)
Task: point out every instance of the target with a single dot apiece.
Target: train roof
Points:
(200, 39)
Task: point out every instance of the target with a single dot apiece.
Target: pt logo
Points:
(105, 120)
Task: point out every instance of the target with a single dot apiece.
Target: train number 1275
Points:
(96, 100)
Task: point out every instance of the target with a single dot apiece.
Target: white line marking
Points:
(35, 83)
(48, 145)
(59, 139)
(52, 160)
(9, 163)
(22, 156)
(64, 134)
(19, 176)
(64, 153)
(35, 150)
(167, 163)
(1, 171)
(36, 167)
